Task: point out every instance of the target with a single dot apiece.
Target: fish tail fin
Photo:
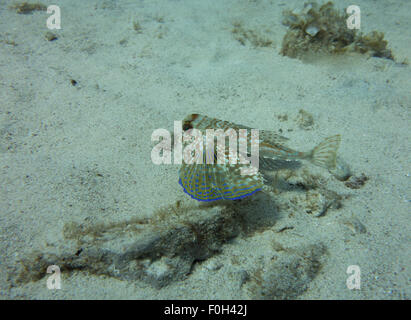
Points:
(325, 154)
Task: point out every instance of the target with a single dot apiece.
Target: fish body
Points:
(215, 181)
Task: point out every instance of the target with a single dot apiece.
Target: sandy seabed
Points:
(77, 114)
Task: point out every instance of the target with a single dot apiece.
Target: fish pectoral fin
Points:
(325, 154)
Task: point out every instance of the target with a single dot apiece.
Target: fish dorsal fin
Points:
(266, 135)
(272, 138)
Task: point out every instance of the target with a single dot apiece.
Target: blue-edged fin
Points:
(238, 186)
(210, 182)
(199, 181)
(325, 154)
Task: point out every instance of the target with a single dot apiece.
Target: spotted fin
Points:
(272, 138)
(270, 164)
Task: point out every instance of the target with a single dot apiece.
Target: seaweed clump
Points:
(323, 29)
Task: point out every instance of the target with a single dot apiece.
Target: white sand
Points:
(56, 139)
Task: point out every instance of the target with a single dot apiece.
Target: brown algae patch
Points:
(255, 37)
(27, 7)
(305, 120)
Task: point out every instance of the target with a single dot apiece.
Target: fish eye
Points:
(187, 126)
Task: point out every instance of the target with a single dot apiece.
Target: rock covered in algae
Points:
(289, 273)
(323, 29)
(158, 251)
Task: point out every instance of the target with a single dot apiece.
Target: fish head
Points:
(191, 121)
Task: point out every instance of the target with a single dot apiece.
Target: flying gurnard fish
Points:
(210, 182)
